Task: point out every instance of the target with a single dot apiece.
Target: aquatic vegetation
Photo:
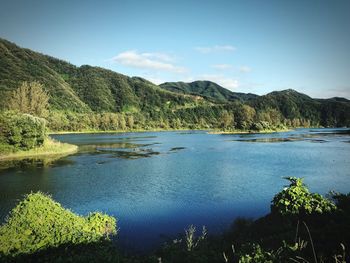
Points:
(38, 223)
(176, 149)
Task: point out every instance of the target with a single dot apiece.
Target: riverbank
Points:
(117, 131)
(209, 131)
(49, 148)
(249, 131)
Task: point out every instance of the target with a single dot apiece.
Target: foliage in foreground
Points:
(38, 223)
(310, 228)
(297, 200)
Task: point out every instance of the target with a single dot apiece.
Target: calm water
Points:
(158, 183)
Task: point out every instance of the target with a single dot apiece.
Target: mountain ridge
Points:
(83, 89)
(207, 89)
(89, 89)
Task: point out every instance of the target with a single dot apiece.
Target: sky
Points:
(245, 46)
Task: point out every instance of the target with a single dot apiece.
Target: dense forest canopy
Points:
(86, 97)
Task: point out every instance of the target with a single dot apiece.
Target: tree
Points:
(29, 98)
(227, 120)
(122, 122)
(130, 121)
(245, 117)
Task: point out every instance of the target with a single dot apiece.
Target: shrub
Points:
(21, 131)
(296, 199)
(256, 255)
(38, 223)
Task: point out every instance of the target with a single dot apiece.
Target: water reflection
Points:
(270, 140)
(314, 136)
(34, 162)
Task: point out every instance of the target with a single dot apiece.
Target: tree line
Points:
(31, 98)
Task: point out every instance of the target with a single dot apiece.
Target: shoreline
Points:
(118, 131)
(49, 148)
(250, 131)
(209, 131)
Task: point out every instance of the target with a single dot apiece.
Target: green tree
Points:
(226, 120)
(30, 98)
(245, 117)
(122, 122)
(130, 121)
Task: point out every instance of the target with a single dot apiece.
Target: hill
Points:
(292, 104)
(90, 98)
(82, 89)
(207, 89)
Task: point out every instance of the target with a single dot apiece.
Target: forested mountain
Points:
(89, 97)
(292, 104)
(207, 89)
(82, 89)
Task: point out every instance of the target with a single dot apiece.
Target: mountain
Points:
(292, 104)
(208, 90)
(85, 88)
(96, 91)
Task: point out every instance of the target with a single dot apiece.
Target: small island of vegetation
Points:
(23, 135)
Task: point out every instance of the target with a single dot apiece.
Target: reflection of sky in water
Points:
(159, 183)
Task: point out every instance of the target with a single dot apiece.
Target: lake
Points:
(158, 183)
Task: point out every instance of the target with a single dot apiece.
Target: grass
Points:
(49, 148)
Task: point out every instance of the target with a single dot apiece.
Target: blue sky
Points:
(245, 46)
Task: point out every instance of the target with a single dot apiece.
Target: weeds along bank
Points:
(302, 227)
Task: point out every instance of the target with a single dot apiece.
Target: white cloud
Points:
(244, 69)
(155, 80)
(154, 61)
(340, 91)
(228, 83)
(159, 56)
(217, 48)
(222, 66)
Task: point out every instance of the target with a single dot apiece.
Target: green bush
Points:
(256, 255)
(296, 199)
(38, 223)
(21, 131)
